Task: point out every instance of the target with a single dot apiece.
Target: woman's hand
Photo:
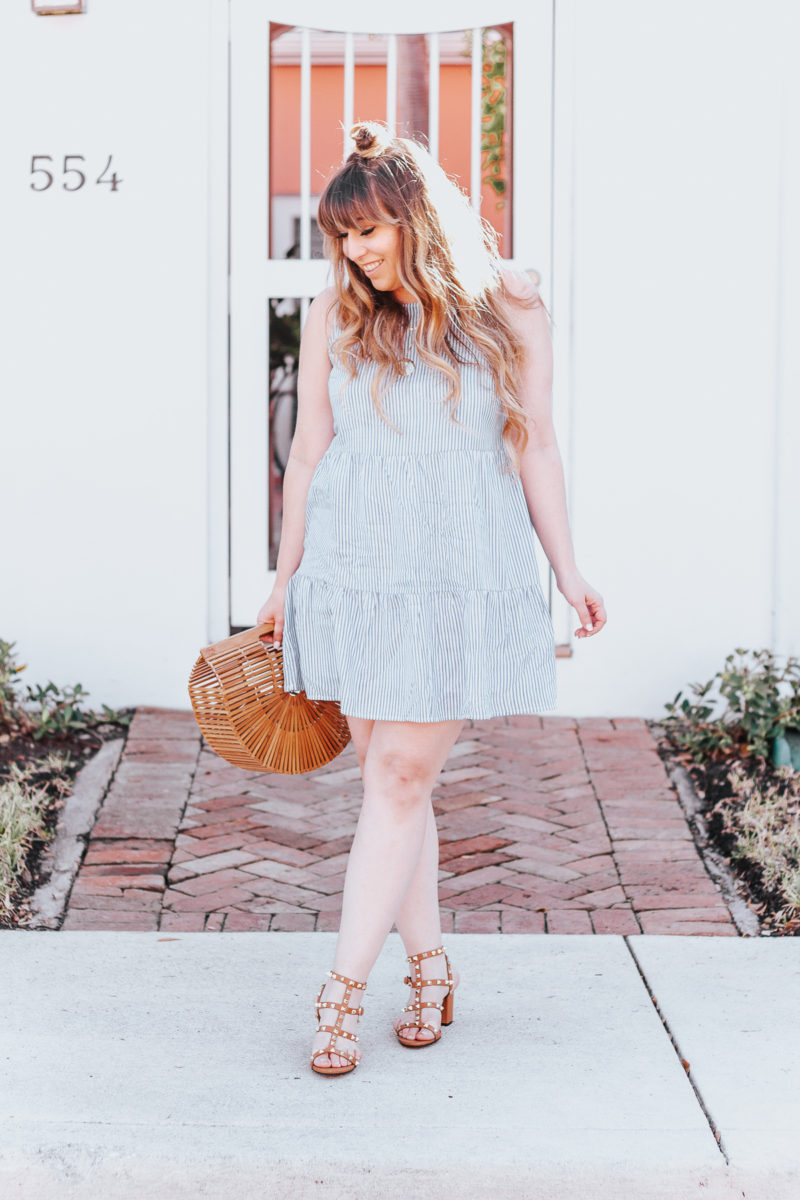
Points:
(587, 603)
(272, 610)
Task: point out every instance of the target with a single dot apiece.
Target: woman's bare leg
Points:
(402, 761)
(418, 921)
(419, 925)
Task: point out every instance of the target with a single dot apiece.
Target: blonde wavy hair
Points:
(447, 260)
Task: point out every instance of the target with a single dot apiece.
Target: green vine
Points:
(494, 111)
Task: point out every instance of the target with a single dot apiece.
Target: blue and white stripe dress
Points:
(418, 595)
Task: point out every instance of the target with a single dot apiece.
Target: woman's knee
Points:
(406, 777)
(404, 758)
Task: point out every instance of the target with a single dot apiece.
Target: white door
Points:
(301, 72)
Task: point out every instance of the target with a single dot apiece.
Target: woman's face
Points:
(375, 250)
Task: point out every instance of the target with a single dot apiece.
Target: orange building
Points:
(370, 103)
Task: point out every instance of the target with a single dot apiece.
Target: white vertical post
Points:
(433, 94)
(305, 144)
(475, 118)
(349, 89)
(217, 518)
(391, 83)
(249, 345)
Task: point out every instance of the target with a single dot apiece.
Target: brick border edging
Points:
(139, 818)
(62, 858)
(734, 890)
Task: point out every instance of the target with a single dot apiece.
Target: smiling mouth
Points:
(371, 268)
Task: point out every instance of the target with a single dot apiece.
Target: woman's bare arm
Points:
(312, 436)
(541, 468)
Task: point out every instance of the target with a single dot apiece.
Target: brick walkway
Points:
(546, 825)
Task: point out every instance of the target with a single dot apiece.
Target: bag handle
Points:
(245, 638)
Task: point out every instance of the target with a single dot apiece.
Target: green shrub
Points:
(740, 710)
(45, 712)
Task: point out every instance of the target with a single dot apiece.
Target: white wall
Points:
(104, 361)
(679, 316)
(676, 258)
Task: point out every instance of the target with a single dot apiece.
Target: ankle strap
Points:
(350, 982)
(425, 954)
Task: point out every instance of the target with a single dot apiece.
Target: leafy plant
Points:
(45, 712)
(494, 106)
(754, 699)
(9, 670)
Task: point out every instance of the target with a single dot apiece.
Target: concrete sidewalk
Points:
(164, 1066)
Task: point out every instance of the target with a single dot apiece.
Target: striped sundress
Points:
(418, 595)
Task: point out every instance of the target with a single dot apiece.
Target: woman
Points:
(406, 585)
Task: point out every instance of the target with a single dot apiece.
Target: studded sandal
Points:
(336, 1031)
(416, 1006)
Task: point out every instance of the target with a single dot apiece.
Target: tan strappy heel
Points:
(416, 1006)
(336, 1030)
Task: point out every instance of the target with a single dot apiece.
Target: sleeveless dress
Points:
(418, 595)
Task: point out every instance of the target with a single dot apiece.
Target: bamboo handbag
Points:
(236, 689)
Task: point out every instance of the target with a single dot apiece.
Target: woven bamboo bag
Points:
(236, 689)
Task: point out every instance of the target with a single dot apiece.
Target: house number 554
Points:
(73, 178)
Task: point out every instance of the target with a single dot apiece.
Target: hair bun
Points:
(371, 138)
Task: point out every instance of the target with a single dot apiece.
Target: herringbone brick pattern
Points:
(546, 825)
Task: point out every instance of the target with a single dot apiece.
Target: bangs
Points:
(350, 202)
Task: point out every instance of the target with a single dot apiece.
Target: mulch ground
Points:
(710, 782)
(25, 752)
(546, 825)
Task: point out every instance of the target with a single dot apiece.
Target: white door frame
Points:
(254, 278)
(218, 600)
